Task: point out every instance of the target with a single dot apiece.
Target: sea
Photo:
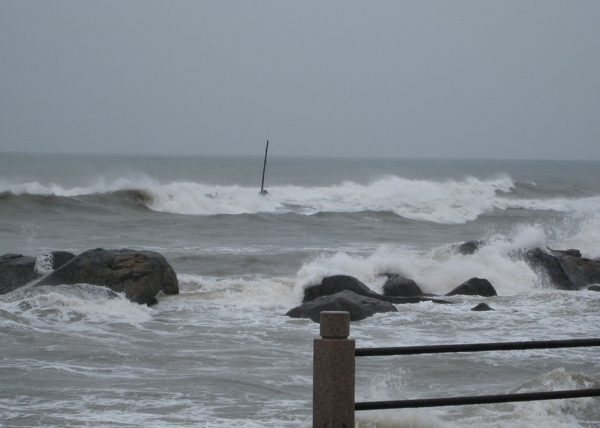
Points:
(222, 353)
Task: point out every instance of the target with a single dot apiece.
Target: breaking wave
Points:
(444, 202)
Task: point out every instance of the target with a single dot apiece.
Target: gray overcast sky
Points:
(459, 79)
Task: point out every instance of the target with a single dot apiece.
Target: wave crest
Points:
(445, 202)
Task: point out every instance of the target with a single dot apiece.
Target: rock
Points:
(482, 307)
(567, 272)
(469, 247)
(140, 275)
(359, 307)
(399, 286)
(60, 258)
(594, 287)
(16, 270)
(475, 287)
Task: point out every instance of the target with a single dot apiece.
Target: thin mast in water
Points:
(263, 192)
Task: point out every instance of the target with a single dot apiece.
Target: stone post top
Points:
(335, 324)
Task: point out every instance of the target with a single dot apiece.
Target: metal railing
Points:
(334, 373)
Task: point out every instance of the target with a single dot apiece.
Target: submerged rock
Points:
(140, 275)
(482, 307)
(594, 287)
(474, 287)
(567, 270)
(398, 286)
(359, 306)
(469, 247)
(16, 270)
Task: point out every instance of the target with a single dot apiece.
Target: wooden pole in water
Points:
(263, 192)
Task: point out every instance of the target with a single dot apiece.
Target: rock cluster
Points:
(140, 275)
(566, 270)
(343, 292)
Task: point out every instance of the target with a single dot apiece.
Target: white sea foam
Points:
(43, 264)
(587, 236)
(447, 202)
(71, 304)
(552, 413)
(407, 418)
(262, 292)
(437, 271)
(100, 186)
(441, 269)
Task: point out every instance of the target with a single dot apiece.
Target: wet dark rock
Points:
(582, 272)
(549, 265)
(359, 306)
(474, 287)
(594, 287)
(337, 283)
(16, 270)
(60, 258)
(469, 247)
(482, 307)
(398, 286)
(566, 272)
(140, 275)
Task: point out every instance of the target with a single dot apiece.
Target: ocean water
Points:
(223, 354)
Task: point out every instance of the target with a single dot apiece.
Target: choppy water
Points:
(222, 353)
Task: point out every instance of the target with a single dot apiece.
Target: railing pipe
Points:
(477, 347)
(479, 399)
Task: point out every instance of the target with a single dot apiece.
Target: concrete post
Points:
(333, 373)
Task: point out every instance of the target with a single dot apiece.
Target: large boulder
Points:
(567, 270)
(474, 287)
(16, 270)
(359, 307)
(140, 275)
(398, 286)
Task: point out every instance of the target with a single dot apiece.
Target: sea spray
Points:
(259, 292)
(436, 271)
(64, 305)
